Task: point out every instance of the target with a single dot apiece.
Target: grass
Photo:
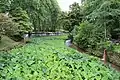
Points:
(6, 42)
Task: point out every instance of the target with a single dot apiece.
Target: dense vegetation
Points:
(7, 26)
(37, 15)
(94, 23)
(44, 59)
(69, 19)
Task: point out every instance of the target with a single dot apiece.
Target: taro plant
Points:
(43, 59)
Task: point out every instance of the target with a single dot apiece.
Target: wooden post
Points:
(105, 56)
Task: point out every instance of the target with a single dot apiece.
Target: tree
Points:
(20, 17)
(4, 5)
(7, 26)
(100, 22)
(72, 18)
(43, 14)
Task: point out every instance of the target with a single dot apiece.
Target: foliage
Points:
(43, 59)
(72, 18)
(43, 13)
(106, 16)
(75, 14)
(108, 45)
(116, 48)
(87, 35)
(20, 17)
(7, 26)
(4, 5)
(64, 22)
(103, 23)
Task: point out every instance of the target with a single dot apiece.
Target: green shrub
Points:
(105, 45)
(7, 26)
(87, 36)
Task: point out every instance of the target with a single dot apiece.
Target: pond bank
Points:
(111, 59)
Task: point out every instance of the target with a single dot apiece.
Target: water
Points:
(68, 43)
